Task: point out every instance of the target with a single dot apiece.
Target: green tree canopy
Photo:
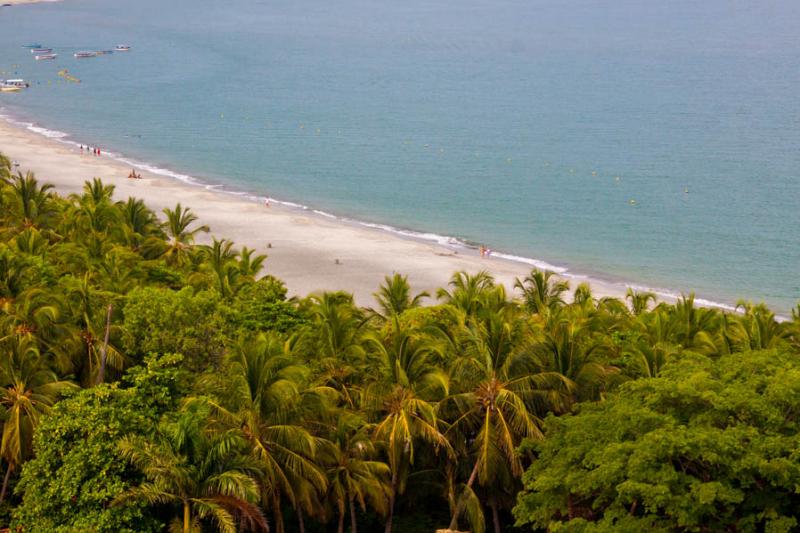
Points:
(709, 445)
(78, 468)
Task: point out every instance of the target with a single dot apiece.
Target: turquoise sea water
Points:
(528, 125)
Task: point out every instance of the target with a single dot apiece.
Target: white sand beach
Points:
(304, 248)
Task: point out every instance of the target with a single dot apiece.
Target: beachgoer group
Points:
(91, 150)
(485, 252)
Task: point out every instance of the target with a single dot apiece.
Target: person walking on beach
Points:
(266, 201)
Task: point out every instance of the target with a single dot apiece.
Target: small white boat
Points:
(10, 86)
(22, 84)
(40, 57)
(41, 50)
(123, 48)
(81, 55)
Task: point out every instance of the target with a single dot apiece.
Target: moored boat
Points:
(103, 52)
(45, 56)
(123, 48)
(41, 50)
(34, 45)
(80, 55)
(22, 84)
(9, 86)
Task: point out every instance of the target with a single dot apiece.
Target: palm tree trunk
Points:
(353, 519)
(460, 504)
(392, 491)
(495, 516)
(102, 374)
(186, 516)
(300, 523)
(5, 483)
(276, 509)
(451, 488)
(340, 529)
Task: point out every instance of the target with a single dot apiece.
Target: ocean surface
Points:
(656, 143)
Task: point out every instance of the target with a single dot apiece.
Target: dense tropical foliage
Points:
(149, 382)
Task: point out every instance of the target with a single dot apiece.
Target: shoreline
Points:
(307, 242)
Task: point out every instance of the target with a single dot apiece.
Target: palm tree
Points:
(354, 477)
(335, 342)
(205, 473)
(92, 309)
(229, 269)
(405, 419)
(568, 351)
(689, 321)
(494, 387)
(30, 204)
(400, 396)
(467, 290)
(140, 228)
(639, 300)
(760, 328)
(181, 237)
(250, 265)
(794, 327)
(394, 296)
(117, 273)
(542, 295)
(5, 168)
(30, 241)
(27, 390)
(405, 356)
(583, 296)
(269, 398)
(14, 276)
(35, 314)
